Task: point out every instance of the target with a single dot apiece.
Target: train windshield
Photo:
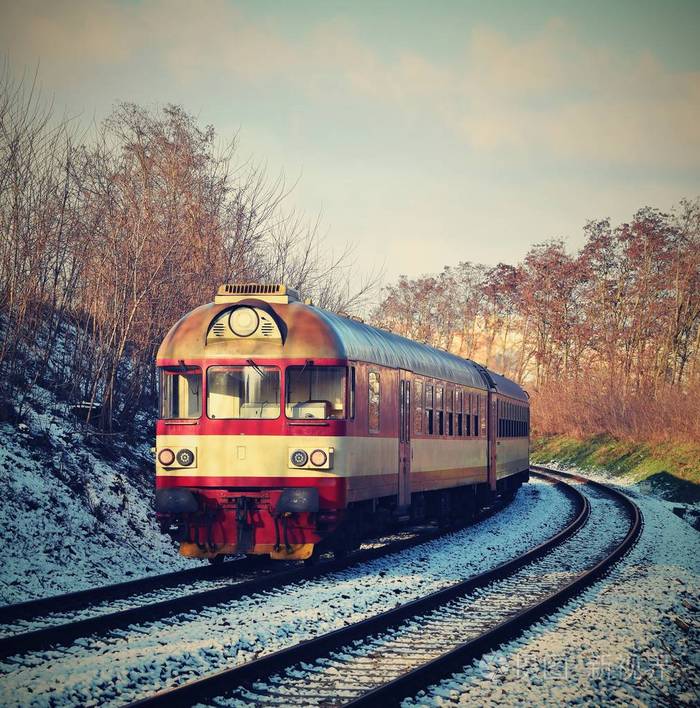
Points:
(243, 392)
(316, 391)
(180, 392)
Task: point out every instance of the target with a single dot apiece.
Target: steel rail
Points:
(224, 681)
(81, 599)
(394, 692)
(65, 632)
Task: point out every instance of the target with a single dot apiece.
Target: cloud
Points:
(552, 94)
(549, 95)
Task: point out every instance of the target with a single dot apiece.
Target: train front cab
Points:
(248, 453)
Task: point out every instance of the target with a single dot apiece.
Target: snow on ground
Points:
(127, 664)
(72, 519)
(357, 667)
(632, 638)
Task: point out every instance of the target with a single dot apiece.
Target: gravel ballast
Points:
(631, 639)
(126, 665)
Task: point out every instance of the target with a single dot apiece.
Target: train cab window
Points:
(418, 410)
(429, 413)
(180, 392)
(316, 392)
(374, 398)
(249, 392)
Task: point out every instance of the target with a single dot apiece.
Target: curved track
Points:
(42, 624)
(394, 654)
(279, 678)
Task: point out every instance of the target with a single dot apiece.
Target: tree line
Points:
(108, 236)
(606, 340)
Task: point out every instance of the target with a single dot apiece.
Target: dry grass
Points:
(595, 407)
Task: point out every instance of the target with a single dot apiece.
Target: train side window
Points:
(351, 392)
(510, 420)
(458, 408)
(429, 413)
(440, 409)
(180, 392)
(374, 397)
(449, 411)
(468, 414)
(418, 398)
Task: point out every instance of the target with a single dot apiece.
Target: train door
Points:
(404, 490)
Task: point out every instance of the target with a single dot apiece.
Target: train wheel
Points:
(347, 540)
(445, 511)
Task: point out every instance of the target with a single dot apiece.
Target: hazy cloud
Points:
(549, 94)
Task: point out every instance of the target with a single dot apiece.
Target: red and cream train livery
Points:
(284, 426)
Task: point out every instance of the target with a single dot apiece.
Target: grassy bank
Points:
(667, 470)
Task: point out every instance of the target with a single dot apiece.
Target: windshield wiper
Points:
(306, 363)
(256, 368)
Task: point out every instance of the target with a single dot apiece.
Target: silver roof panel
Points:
(358, 341)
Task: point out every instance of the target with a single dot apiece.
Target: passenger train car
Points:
(284, 428)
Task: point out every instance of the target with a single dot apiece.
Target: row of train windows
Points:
(253, 392)
(440, 411)
(513, 420)
(436, 411)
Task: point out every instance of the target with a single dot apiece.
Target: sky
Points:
(424, 133)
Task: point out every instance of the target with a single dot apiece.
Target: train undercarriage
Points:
(292, 524)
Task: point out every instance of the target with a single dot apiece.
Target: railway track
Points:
(42, 624)
(395, 654)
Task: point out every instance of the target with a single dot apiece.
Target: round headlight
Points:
(318, 458)
(299, 458)
(185, 457)
(166, 457)
(243, 321)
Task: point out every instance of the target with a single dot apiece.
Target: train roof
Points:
(314, 333)
(362, 342)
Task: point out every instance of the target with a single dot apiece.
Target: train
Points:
(286, 430)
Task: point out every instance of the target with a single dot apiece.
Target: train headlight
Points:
(185, 457)
(166, 457)
(318, 458)
(243, 321)
(299, 458)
